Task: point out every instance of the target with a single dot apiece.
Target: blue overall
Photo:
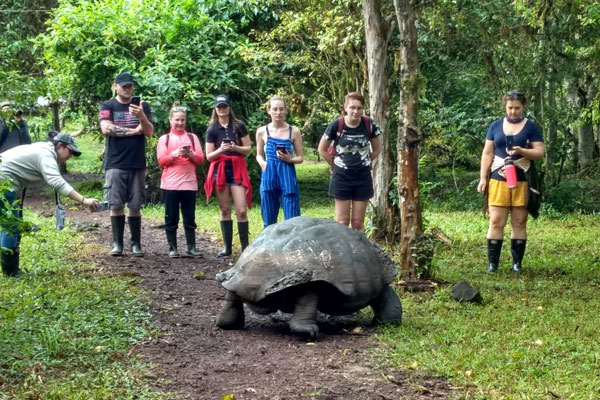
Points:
(278, 180)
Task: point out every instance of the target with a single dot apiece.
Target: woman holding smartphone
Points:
(178, 153)
(356, 141)
(278, 149)
(512, 140)
(227, 143)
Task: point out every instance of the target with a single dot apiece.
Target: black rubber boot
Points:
(135, 229)
(10, 263)
(118, 228)
(172, 240)
(227, 232)
(243, 233)
(517, 249)
(494, 250)
(190, 240)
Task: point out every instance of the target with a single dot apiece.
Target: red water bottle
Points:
(510, 173)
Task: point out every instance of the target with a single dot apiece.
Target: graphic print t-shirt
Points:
(124, 152)
(353, 147)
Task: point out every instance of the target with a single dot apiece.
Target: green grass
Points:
(65, 329)
(533, 334)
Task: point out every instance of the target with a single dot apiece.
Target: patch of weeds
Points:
(65, 333)
(534, 333)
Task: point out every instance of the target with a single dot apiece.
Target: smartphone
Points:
(102, 206)
(509, 142)
(226, 141)
(186, 147)
(281, 149)
(135, 100)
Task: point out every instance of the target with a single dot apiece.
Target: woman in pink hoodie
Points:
(178, 153)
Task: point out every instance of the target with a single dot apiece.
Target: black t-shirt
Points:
(124, 152)
(217, 133)
(353, 147)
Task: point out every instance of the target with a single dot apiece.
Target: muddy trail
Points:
(193, 359)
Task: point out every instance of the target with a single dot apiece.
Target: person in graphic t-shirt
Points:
(125, 124)
(357, 145)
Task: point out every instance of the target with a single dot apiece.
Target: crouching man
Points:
(26, 165)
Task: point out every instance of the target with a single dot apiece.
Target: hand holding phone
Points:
(135, 100)
(509, 142)
(282, 149)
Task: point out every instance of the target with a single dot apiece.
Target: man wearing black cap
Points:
(26, 165)
(13, 128)
(126, 124)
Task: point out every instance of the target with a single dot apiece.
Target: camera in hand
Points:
(135, 100)
(102, 206)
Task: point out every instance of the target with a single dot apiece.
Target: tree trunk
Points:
(409, 139)
(56, 127)
(551, 137)
(385, 217)
(580, 95)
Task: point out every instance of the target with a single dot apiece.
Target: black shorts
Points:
(229, 178)
(351, 184)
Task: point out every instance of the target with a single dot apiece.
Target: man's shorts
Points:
(351, 184)
(124, 186)
(501, 196)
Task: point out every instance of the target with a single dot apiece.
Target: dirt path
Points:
(195, 360)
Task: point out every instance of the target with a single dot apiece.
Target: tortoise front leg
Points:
(232, 314)
(387, 307)
(304, 319)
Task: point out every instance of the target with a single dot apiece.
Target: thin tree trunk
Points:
(409, 139)
(552, 138)
(56, 126)
(385, 216)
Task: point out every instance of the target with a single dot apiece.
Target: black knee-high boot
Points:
(494, 250)
(135, 229)
(190, 239)
(227, 232)
(243, 233)
(118, 228)
(517, 249)
(172, 240)
(10, 262)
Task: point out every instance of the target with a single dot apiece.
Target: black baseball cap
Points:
(221, 99)
(68, 140)
(125, 78)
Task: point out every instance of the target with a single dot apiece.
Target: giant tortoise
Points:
(306, 264)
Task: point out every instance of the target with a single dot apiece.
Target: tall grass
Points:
(65, 329)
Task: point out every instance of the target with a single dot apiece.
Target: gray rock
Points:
(465, 293)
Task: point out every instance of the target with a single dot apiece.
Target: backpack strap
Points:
(189, 137)
(340, 128)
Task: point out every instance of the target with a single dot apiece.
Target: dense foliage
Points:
(313, 52)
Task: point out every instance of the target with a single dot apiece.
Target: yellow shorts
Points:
(500, 195)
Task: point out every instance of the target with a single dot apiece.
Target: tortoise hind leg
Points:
(304, 319)
(387, 307)
(232, 314)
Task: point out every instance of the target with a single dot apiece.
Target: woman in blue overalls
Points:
(278, 148)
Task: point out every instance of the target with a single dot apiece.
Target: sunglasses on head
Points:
(515, 93)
